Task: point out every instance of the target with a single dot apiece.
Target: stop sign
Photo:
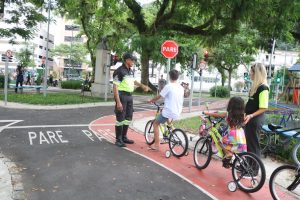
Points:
(169, 49)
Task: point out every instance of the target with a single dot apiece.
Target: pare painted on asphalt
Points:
(46, 137)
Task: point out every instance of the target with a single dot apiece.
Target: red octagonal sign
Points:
(169, 49)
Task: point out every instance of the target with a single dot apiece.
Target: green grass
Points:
(190, 125)
(52, 98)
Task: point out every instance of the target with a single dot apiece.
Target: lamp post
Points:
(47, 52)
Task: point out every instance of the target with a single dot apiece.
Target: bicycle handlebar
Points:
(218, 119)
(158, 105)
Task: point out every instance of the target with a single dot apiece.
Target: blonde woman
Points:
(256, 106)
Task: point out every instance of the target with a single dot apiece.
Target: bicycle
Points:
(284, 182)
(273, 137)
(248, 171)
(176, 138)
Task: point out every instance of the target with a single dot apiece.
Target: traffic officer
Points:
(123, 86)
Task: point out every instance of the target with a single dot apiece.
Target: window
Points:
(68, 39)
(41, 37)
(71, 27)
(40, 47)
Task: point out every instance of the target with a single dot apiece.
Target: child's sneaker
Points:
(226, 162)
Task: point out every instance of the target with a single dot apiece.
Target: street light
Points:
(47, 52)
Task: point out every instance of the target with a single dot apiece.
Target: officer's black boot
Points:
(125, 139)
(119, 139)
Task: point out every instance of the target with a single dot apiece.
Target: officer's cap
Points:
(129, 56)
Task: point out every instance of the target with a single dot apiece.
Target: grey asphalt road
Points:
(69, 162)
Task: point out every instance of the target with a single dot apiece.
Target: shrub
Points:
(71, 84)
(239, 86)
(2, 79)
(221, 91)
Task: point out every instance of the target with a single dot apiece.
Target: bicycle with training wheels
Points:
(274, 137)
(175, 137)
(284, 182)
(248, 171)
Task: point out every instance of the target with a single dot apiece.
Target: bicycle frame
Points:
(214, 133)
(166, 127)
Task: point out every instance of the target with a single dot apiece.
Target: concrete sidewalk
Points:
(139, 125)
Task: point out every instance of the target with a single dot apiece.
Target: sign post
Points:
(8, 55)
(192, 81)
(169, 49)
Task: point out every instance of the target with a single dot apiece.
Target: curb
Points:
(12, 183)
(13, 105)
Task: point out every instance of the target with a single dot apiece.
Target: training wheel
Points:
(232, 187)
(168, 154)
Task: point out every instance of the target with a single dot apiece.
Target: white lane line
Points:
(174, 172)
(12, 122)
(56, 126)
(142, 108)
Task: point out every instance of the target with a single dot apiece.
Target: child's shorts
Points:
(161, 119)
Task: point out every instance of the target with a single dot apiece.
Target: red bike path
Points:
(212, 180)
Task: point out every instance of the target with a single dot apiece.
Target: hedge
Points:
(71, 84)
(221, 91)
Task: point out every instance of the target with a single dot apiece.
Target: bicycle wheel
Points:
(178, 142)
(248, 172)
(149, 132)
(283, 183)
(296, 153)
(202, 153)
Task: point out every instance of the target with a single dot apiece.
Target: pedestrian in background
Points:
(161, 83)
(123, 87)
(256, 106)
(28, 78)
(20, 77)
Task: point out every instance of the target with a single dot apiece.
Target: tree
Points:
(233, 51)
(25, 56)
(99, 20)
(77, 52)
(208, 20)
(23, 18)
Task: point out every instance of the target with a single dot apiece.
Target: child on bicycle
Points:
(173, 94)
(234, 140)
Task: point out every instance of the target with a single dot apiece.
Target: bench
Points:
(36, 87)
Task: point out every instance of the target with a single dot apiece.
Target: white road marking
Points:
(54, 126)
(142, 108)
(11, 122)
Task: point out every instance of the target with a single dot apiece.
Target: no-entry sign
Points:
(169, 49)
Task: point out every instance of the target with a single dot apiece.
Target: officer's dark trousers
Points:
(252, 131)
(123, 118)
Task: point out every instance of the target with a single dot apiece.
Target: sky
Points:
(145, 1)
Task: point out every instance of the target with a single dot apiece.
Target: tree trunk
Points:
(145, 67)
(223, 78)
(229, 79)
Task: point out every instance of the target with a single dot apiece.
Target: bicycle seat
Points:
(274, 127)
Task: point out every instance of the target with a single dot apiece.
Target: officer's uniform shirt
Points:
(123, 77)
(259, 100)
